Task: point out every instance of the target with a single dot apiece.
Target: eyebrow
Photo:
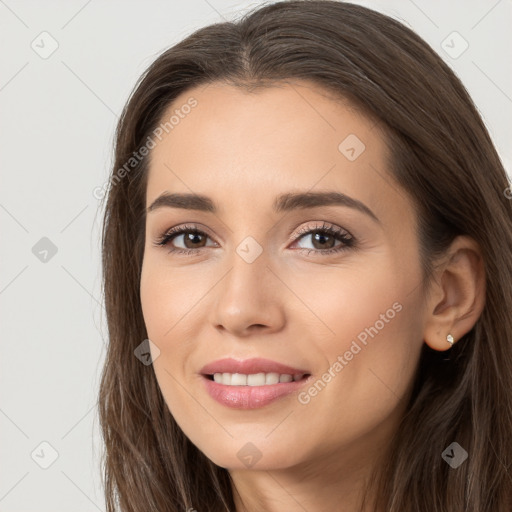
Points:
(283, 203)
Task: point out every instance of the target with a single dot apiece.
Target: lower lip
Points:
(250, 397)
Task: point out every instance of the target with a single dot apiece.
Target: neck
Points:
(334, 481)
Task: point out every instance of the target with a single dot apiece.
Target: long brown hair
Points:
(443, 158)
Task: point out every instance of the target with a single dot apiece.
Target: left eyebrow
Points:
(282, 203)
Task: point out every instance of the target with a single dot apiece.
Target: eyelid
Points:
(348, 240)
(325, 226)
(181, 229)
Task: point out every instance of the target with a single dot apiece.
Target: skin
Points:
(242, 150)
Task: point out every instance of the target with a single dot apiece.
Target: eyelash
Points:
(340, 234)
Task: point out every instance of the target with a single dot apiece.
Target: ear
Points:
(457, 294)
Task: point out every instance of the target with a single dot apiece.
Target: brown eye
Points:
(191, 237)
(324, 239)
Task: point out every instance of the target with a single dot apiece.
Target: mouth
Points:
(255, 379)
(251, 383)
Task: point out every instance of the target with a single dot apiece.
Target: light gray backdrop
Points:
(66, 71)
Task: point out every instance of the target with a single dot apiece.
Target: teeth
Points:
(237, 379)
(254, 379)
(271, 378)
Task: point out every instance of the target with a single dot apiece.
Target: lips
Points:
(247, 394)
(250, 366)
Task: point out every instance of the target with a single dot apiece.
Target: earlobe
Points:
(458, 295)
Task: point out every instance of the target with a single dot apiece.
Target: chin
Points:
(253, 455)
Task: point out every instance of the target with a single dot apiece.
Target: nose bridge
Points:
(249, 270)
(246, 296)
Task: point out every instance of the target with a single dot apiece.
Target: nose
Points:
(248, 299)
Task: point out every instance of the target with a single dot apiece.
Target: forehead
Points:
(247, 147)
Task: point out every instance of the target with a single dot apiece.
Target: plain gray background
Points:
(58, 114)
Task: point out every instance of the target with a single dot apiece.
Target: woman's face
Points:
(342, 311)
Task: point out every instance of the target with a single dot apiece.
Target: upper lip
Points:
(249, 366)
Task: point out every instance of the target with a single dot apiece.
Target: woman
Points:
(307, 276)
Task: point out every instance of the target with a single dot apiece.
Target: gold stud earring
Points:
(450, 339)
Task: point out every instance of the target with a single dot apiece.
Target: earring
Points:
(450, 339)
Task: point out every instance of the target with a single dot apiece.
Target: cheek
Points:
(372, 341)
(169, 299)
(159, 300)
(171, 307)
(348, 303)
